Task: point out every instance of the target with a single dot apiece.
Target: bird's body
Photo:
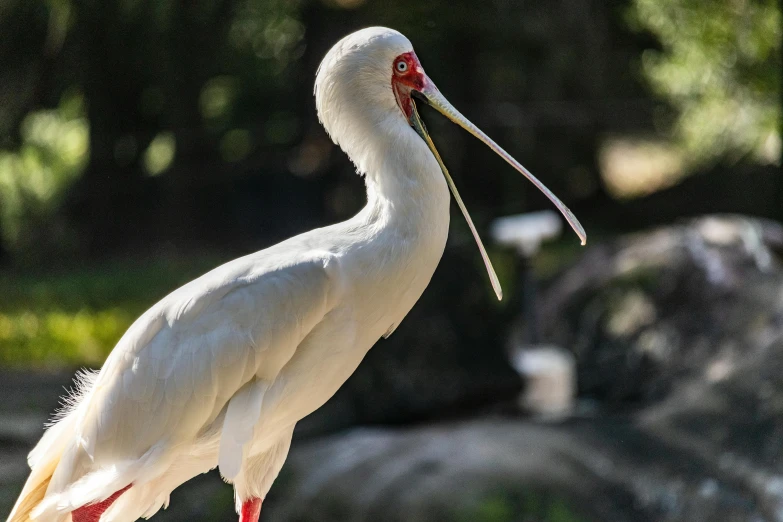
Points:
(219, 372)
(355, 282)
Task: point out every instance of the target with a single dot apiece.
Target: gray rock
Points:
(645, 313)
(505, 470)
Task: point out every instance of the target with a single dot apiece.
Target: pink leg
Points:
(251, 509)
(93, 512)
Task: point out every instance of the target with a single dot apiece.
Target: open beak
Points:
(432, 96)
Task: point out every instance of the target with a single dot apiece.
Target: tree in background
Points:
(720, 67)
(130, 124)
(156, 133)
(97, 98)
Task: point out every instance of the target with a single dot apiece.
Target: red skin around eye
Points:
(413, 78)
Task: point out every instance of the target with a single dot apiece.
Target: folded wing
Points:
(175, 370)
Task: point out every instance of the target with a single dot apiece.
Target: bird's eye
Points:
(402, 66)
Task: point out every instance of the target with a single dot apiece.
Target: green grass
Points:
(75, 317)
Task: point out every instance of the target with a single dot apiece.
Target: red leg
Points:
(251, 509)
(93, 512)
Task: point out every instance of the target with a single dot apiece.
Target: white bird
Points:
(218, 373)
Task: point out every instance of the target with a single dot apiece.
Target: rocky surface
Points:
(650, 311)
(510, 470)
(710, 452)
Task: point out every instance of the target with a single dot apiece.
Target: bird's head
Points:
(368, 84)
(353, 86)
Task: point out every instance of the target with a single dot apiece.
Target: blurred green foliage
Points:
(719, 66)
(77, 316)
(107, 94)
(117, 116)
(140, 127)
(33, 178)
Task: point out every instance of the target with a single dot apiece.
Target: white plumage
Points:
(219, 372)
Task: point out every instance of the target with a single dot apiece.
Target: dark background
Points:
(143, 142)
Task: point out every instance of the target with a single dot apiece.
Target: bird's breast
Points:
(393, 269)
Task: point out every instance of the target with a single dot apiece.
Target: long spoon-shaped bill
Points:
(431, 95)
(419, 127)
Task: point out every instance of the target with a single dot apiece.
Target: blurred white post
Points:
(548, 372)
(526, 232)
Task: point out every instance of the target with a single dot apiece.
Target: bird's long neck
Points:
(405, 187)
(399, 236)
(394, 244)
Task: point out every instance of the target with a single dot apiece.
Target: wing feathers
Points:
(242, 413)
(212, 346)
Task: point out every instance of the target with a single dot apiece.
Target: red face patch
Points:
(407, 75)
